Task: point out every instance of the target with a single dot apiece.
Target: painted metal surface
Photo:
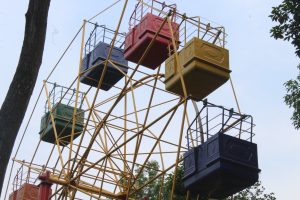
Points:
(205, 68)
(93, 65)
(140, 36)
(26, 192)
(13, 195)
(45, 190)
(63, 123)
(221, 166)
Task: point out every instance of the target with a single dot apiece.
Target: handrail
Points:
(218, 120)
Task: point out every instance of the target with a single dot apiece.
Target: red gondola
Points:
(144, 24)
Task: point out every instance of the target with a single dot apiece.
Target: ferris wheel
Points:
(139, 97)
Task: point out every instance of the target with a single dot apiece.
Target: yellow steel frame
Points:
(112, 141)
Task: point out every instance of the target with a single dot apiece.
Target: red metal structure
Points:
(144, 24)
(24, 187)
(45, 186)
(25, 192)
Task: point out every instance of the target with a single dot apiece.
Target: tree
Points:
(17, 98)
(255, 192)
(179, 191)
(292, 98)
(152, 190)
(287, 15)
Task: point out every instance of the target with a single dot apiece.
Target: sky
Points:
(260, 65)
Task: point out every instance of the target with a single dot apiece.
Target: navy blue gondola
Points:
(94, 61)
(221, 166)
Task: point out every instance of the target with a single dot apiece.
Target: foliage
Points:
(152, 190)
(292, 99)
(287, 15)
(255, 192)
(179, 191)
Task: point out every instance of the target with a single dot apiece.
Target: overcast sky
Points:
(260, 65)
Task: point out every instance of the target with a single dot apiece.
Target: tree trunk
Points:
(15, 104)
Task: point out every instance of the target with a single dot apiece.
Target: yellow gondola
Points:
(205, 67)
